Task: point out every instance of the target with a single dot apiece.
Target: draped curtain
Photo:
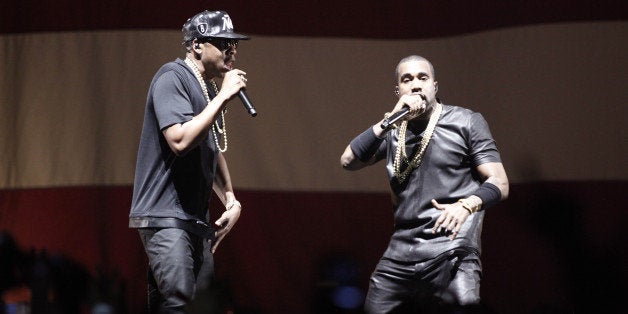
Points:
(548, 78)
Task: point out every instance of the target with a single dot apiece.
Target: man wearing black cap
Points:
(180, 161)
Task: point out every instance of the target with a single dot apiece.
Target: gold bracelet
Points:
(230, 205)
(465, 204)
(474, 206)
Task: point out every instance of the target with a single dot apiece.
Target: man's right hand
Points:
(414, 102)
(232, 82)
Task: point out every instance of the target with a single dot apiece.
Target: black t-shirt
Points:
(461, 141)
(168, 186)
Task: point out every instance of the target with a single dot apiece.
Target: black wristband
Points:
(489, 194)
(365, 145)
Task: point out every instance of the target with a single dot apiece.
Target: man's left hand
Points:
(225, 223)
(452, 218)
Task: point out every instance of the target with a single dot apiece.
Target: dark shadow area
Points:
(39, 282)
(595, 275)
(338, 286)
(218, 299)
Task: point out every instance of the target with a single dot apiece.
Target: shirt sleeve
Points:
(381, 150)
(483, 148)
(171, 101)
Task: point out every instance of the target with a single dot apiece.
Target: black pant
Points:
(180, 264)
(431, 286)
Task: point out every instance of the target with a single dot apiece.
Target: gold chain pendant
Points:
(400, 153)
(215, 127)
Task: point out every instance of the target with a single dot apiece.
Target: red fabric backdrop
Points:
(551, 245)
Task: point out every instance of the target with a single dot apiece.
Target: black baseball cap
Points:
(210, 24)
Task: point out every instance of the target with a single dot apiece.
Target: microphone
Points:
(398, 115)
(246, 102)
(395, 117)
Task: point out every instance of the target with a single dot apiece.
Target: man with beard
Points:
(180, 161)
(445, 171)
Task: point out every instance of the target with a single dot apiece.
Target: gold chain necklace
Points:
(215, 127)
(401, 145)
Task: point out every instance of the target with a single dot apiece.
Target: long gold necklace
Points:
(215, 126)
(418, 156)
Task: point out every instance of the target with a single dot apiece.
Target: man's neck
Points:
(199, 65)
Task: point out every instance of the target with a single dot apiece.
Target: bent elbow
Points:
(352, 164)
(348, 159)
(505, 195)
(347, 162)
(344, 163)
(505, 189)
(179, 149)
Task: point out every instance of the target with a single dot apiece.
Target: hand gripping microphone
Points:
(395, 117)
(398, 115)
(246, 102)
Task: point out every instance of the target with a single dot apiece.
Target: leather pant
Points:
(180, 264)
(445, 283)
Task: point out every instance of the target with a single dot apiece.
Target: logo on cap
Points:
(226, 23)
(202, 28)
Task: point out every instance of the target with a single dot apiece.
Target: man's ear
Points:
(396, 90)
(195, 44)
(435, 86)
